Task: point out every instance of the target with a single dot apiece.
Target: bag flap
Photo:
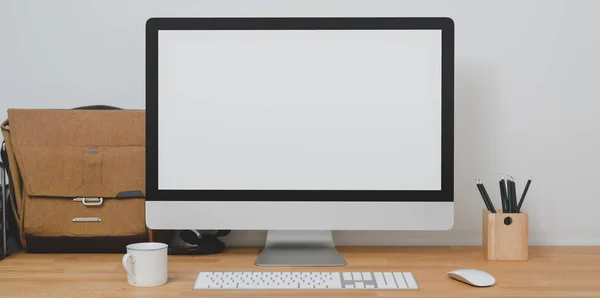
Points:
(79, 153)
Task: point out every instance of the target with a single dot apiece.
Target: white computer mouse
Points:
(473, 277)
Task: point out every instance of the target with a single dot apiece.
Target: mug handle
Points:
(128, 261)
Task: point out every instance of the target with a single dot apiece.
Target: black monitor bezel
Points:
(446, 25)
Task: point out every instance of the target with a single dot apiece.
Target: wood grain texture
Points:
(550, 272)
(508, 242)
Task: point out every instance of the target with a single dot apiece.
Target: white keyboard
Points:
(305, 281)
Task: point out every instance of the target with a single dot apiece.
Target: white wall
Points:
(527, 96)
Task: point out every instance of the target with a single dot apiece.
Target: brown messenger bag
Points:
(78, 178)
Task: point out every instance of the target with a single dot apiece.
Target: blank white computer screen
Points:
(299, 110)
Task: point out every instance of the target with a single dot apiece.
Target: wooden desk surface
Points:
(550, 272)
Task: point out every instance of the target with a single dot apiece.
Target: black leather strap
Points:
(204, 243)
(222, 233)
(97, 107)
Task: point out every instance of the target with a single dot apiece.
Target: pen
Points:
(524, 194)
(503, 194)
(487, 198)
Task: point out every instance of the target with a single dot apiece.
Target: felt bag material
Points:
(62, 162)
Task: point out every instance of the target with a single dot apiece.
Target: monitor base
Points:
(299, 248)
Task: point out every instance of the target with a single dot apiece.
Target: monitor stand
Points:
(299, 248)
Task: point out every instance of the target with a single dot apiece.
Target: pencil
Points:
(503, 194)
(487, 198)
(524, 194)
(513, 203)
(487, 205)
(509, 193)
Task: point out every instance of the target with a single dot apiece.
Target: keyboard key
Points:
(369, 286)
(356, 275)
(367, 276)
(359, 285)
(347, 276)
(400, 280)
(389, 279)
(349, 286)
(410, 280)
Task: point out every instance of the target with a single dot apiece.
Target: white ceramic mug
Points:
(146, 264)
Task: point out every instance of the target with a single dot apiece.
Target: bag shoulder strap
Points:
(97, 107)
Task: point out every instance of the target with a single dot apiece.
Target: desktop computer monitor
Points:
(299, 126)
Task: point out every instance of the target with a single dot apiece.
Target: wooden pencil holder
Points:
(505, 236)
